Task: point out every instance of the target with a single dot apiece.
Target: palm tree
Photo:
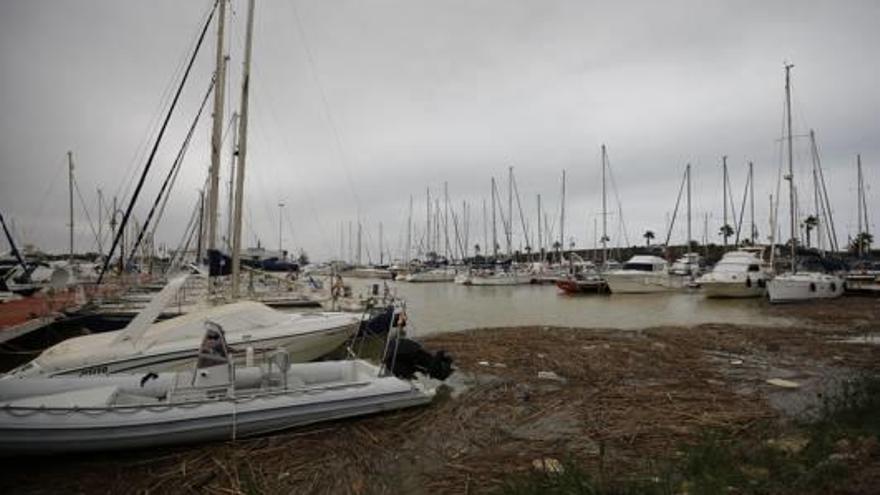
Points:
(648, 235)
(726, 231)
(477, 249)
(810, 223)
(556, 247)
(861, 243)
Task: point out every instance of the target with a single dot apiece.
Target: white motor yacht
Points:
(738, 274)
(641, 274)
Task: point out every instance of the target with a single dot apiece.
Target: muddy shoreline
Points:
(607, 399)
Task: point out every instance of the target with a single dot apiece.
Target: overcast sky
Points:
(356, 105)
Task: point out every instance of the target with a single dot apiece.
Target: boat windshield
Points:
(642, 267)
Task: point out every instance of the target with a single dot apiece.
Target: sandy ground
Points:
(612, 400)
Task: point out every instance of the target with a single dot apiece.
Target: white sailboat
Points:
(794, 285)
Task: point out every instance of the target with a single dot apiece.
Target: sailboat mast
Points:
(100, 223)
(428, 221)
(862, 208)
(70, 195)
(381, 247)
(409, 232)
(752, 233)
(485, 228)
(792, 213)
(446, 219)
(604, 212)
(242, 150)
(494, 224)
(540, 239)
(217, 129)
(724, 198)
(562, 220)
(510, 211)
(688, 170)
(229, 199)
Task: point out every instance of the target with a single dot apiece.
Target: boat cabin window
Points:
(642, 267)
(754, 268)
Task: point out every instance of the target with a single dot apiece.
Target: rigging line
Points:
(149, 163)
(171, 172)
(675, 211)
(86, 211)
(742, 210)
(522, 217)
(155, 118)
(326, 105)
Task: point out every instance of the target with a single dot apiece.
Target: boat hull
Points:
(642, 283)
(804, 287)
(52, 430)
(731, 290)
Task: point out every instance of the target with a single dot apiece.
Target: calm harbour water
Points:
(445, 307)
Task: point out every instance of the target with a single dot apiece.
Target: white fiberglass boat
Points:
(170, 344)
(215, 400)
(738, 274)
(433, 275)
(498, 277)
(641, 274)
(802, 286)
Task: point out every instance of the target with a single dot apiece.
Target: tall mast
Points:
(494, 224)
(724, 199)
(792, 213)
(540, 239)
(604, 212)
(510, 211)
(231, 188)
(753, 232)
(217, 130)
(242, 149)
(100, 223)
(359, 237)
(688, 171)
(70, 190)
(485, 229)
(428, 222)
(381, 247)
(446, 219)
(562, 220)
(409, 232)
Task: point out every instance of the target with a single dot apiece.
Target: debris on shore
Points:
(522, 397)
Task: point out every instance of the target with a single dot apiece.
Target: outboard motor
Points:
(406, 357)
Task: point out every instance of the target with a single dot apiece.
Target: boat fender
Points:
(833, 287)
(749, 282)
(149, 376)
(812, 287)
(408, 357)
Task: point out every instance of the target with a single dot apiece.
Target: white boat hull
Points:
(804, 287)
(478, 280)
(28, 426)
(637, 283)
(731, 289)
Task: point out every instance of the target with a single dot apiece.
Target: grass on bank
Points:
(812, 457)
